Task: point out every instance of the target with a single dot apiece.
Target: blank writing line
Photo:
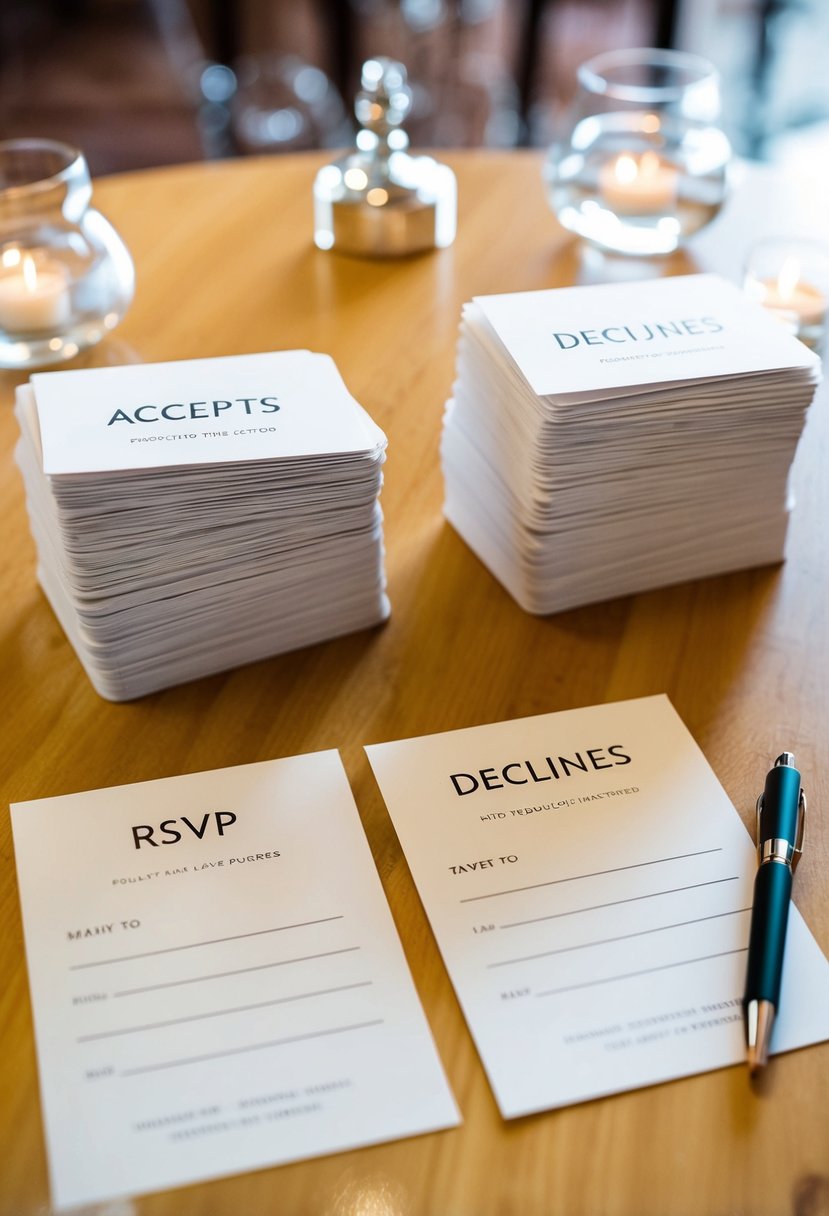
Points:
(553, 882)
(632, 899)
(235, 1051)
(629, 975)
(603, 941)
(102, 962)
(219, 975)
(215, 1013)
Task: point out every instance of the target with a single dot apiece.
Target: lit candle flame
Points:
(626, 169)
(29, 273)
(788, 278)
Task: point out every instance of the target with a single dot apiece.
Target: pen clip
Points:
(801, 830)
(797, 847)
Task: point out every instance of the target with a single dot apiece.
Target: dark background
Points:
(136, 83)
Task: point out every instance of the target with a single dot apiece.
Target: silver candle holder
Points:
(379, 201)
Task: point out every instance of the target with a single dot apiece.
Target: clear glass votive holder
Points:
(642, 163)
(66, 277)
(790, 277)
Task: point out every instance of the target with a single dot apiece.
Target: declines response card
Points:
(216, 979)
(590, 884)
(600, 342)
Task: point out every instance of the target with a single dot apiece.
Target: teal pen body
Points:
(769, 918)
(778, 835)
(781, 797)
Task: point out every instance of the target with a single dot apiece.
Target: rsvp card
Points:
(590, 887)
(216, 979)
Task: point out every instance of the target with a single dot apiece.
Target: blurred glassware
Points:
(66, 277)
(642, 165)
(462, 93)
(283, 104)
(790, 277)
(215, 89)
(379, 201)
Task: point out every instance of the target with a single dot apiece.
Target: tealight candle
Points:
(790, 297)
(34, 295)
(639, 184)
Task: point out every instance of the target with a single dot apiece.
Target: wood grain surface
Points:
(226, 265)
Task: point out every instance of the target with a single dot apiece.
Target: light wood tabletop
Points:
(226, 265)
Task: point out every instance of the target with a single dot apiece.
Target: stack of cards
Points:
(193, 516)
(607, 440)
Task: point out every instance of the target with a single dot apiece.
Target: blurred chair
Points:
(94, 73)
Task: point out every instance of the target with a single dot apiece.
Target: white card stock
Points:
(608, 440)
(198, 411)
(591, 340)
(193, 516)
(590, 885)
(216, 980)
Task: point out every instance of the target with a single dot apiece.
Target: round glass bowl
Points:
(66, 277)
(642, 164)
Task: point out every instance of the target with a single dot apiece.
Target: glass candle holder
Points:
(379, 201)
(642, 164)
(66, 277)
(790, 277)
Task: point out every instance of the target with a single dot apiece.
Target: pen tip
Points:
(755, 1063)
(759, 1023)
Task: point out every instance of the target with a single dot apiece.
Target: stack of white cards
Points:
(606, 440)
(193, 516)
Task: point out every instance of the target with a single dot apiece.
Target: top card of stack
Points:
(193, 516)
(606, 440)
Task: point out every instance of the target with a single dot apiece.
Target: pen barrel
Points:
(781, 799)
(769, 918)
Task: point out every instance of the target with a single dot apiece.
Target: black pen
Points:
(781, 818)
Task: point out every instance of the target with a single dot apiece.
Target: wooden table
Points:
(226, 265)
